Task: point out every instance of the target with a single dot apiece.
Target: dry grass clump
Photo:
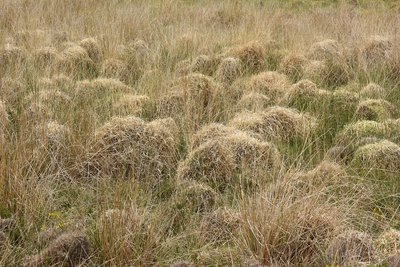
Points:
(315, 71)
(11, 57)
(297, 231)
(209, 132)
(211, 163)
(388, 243)
(361, 129)
(373, 91)
(293, 66)
(75, 61)
(220, 256)
(197, 96)
(4, 120)
(11, 90)
(57, 82)
(229, 69)
(182, 68)
(136, 55)
(376, 50)
(275, 123)
(325, 50)
(344, 102)
(56, 134)
(129, 104)
(45, 57)
(219, 227)
(270, 83)
(126, 237)
(92, 48)
(55, 98)
(69, 249)
(305, 95)
(204, 64)
(115, 68)
(251, 55)
(128, 147)
(182, 264)
(252, 155)
(89, 89)
(384, 156)
(254, 101)
(351, 248)
(375, 110)
(189, 199)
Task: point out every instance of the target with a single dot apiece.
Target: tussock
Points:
(293, 66)
(100, 87)
(228, 70)
(219, 226)
(45, 57)
(297, 229)
(251, 55)
(325, 50)
(254, 101)
(195, 197)
(305, 95)
(270, 83)
(115, 68)
(11, 56)
(3, 121)
(351, 248)
(209, 132)
(211, 163)
(275, 123)
(358, 130)
(182, 264)
(376, 50)
(128, 147)
(129, 104)
(182, 68)
(383, 155)
(57, 82)
(69, 249)
(75, 61)
(197, 96)
(343, 101)
(204, 64)
(11, 90)
(388, 243)
(373, 91)
(92, 48)
(375, 110)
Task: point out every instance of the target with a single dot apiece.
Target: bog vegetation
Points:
(199, 133)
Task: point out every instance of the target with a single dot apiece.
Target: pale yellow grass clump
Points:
(383, 155)
(376, 50)
(272, 84)
(351, 248)
(11, 90)
(58, 82)
(93, 49)
(305, 94)
(130, 104)
(375, 110)
(293, 66)
(325, 50)
(100, 87)
(373, 91)
(254, 101)
(251, 54)
(388, 242)
(197, 96)
(75, 61)
(115, 68)
(3, 121)
(228, 70)
(128, 147)
(45, 57)
(219, 226)
(275, 123)
(204, 64)
(209, 132)
(69, 249)
(211, 163)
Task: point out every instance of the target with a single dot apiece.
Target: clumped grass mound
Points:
(375, 110)
(128, 147)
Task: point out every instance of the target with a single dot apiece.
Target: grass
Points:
(204, 133)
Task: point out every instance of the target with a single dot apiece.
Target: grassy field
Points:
(199, 133)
